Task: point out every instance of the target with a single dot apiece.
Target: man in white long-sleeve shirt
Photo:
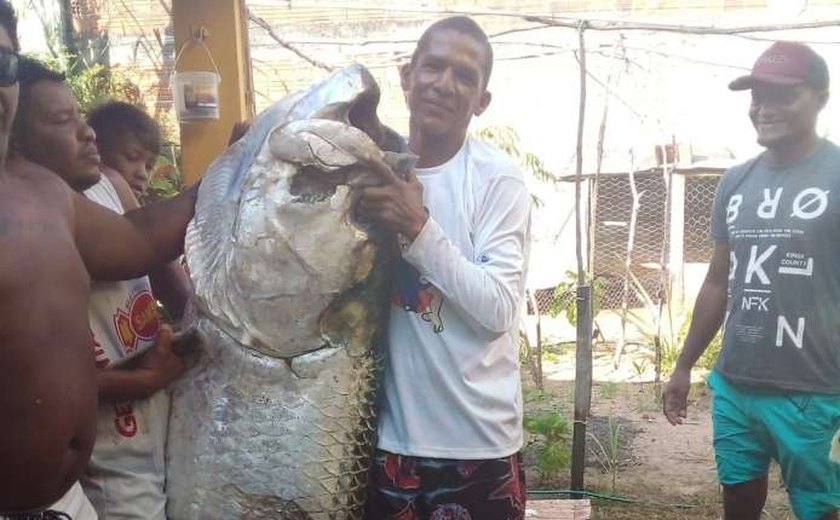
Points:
(450, 424)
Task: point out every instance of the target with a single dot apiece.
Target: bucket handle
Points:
(186, 44)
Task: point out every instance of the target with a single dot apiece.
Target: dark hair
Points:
(466, 26)
(114, 120)
(8, 20)
(30, 72)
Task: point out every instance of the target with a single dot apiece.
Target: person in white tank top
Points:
(126, 475)
(450, 419)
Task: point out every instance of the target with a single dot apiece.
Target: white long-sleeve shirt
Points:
(451, 382)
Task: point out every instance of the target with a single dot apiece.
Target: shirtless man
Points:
(52, 241)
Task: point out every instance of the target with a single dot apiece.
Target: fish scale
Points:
(276, 419)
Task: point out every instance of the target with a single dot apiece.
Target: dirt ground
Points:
(664, 472)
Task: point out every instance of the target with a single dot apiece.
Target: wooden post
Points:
(628, 257)
(226, 26)
(676, 240)
(664, 276)
(583, 353)
(538, 377)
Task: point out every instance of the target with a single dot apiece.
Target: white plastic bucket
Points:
(196, 95)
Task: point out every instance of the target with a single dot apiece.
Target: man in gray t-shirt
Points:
(774, 285)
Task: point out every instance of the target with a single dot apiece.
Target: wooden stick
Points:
(583, 354)
(628, 257)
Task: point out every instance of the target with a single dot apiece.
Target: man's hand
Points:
(675, 399)
(161, 363)
(396, 205)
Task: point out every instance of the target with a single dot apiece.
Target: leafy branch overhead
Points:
(508, 141)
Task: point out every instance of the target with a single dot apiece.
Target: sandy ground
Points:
(669, 472)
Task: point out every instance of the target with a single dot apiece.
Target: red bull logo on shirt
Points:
(414, 293)
(140, 323)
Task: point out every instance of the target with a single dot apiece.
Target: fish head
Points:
(279, 246)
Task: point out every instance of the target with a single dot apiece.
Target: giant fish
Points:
(276, 419)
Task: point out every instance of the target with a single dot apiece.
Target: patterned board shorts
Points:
(417, 488)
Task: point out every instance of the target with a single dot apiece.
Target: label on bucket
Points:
(196, 95)
(200, 96)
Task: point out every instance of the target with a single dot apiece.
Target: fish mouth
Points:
(362, 115)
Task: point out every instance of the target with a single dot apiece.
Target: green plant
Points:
(608, 454)
(552, 433)
(710, 355)
(648, 322)
(669, 356)
(672, 352)
(535, 395)
(640, 367)
(94, 84)
(507, 139)
(550, 357)
(564, 301)
(165, 180)
(608, 390)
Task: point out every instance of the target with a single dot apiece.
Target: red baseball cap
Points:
(786, 63)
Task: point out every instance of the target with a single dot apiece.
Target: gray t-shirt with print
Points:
(782, 226)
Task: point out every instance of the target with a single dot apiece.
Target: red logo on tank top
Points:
(141, 323)
(125, 422)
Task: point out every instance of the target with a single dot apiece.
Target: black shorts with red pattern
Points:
(418, 488)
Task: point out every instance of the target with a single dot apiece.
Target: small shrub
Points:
(706, 361)
(534, 395)
(565, 301)
(608, 390)
(550, 357)
(552, 431)
(608, 454)
(165, 180)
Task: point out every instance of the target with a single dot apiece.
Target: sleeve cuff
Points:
(415, 251)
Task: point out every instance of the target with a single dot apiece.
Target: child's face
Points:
(132, 161)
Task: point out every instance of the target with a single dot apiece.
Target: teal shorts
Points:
(751, 427)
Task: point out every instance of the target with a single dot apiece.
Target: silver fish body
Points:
(276, 420)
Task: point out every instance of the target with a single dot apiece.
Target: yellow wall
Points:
(227, 38)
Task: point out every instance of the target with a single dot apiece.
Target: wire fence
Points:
(634, 263)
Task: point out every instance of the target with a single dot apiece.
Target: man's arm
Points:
(709, 311)
(170, 286)
(486, 288)
(116, 247)
(169, 281)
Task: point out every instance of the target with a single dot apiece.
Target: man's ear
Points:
(483, 103)
(823, 99)
(405, 74)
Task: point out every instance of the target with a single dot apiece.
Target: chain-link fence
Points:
(699, 196)
(622, 238)
(637, 222)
